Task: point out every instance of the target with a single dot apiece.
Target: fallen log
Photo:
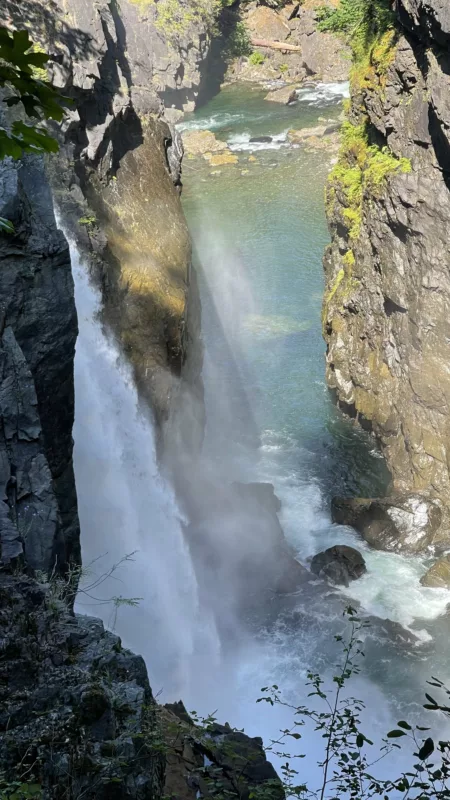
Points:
(275, 45)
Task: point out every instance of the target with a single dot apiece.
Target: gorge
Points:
(201, 390)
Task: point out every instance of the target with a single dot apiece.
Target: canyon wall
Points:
(116, 179)
(77, 714)
(386, 307)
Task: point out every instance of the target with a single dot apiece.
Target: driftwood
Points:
(275, 45)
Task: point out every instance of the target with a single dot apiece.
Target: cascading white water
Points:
(126, 507)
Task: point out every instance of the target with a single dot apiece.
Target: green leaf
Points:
(395, 734)
(426, 750)
(6, 226)
(405, 725)
(359, 740)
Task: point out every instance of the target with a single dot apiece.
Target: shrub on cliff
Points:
(22, 79)
(362, 22)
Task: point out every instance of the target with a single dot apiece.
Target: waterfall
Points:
(126, 507)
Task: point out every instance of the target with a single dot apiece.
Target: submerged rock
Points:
(262, 139)
(285, 95)
(298, 136)
(198, 143)
(221, 159)
(407, 524)
(438, 576)
(339, 564)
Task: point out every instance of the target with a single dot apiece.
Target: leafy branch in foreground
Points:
(349, 762)
(21, 64)
(65, 588)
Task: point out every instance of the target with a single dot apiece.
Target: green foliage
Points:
(18, 60)
(238, 42)
(256, 59)
(350, 759)
(283, 68)
(23, 77)
(175, 17)
(361, 22)
(19, 790)
(361, 168)
(88, 222)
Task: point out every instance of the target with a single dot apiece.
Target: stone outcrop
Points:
(438, 576)
(213, 758)
(339, 564)
(38, 329)
(388, 289)
(76, 713)
(406, 524)
(307, 53)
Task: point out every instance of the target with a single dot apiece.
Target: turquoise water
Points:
(259, 232)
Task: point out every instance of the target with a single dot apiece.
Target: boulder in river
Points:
(339, 564)
(300, 136)
(198, 143)
(438, 576)
(261, 139)
(408, 524)
(285, 95)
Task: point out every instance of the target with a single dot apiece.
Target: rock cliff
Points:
(77, 715)
(38, 327)
(385, 315)
(115, 175)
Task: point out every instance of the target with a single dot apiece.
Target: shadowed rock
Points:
(339, 564)
(406, 524)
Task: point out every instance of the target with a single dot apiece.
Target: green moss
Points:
(88, 222)
(256, 59)
(361, 168)
(337, 282)
(174, 19)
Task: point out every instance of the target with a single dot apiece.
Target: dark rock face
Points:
(120, 167)
(237, 762)
(76, 707)
(386, 306)
(406, 524)
(37, 346)
(339, 564)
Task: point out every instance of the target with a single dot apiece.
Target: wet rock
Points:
(339, 564)
(299, 136)
(438, 576)
(262, 139)
(406, 524)
(286, 95)
(221, 159)
(197, 143)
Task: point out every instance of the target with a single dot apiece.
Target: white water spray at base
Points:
(126, 507)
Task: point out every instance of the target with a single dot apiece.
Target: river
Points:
(259, 232)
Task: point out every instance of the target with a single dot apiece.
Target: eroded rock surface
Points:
(388, 289)
(38, 329)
